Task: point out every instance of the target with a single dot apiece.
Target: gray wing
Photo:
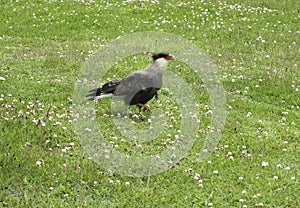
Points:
(137, 81)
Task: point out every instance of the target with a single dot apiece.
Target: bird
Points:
(138, 87)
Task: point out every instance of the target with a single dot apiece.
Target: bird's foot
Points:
(147, 109)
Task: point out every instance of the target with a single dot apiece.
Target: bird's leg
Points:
(145, 108)
(140, 106)
(156, 96)
(140, 109)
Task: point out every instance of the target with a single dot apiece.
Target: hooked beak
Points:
(170, 57)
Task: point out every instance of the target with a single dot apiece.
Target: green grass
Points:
(255, 45)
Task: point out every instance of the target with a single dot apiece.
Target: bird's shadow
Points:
(104, 110)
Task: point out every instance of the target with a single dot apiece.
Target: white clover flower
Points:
(88, 129)
(197, 176)
(38, 163)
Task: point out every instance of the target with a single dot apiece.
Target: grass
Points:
(44, 45)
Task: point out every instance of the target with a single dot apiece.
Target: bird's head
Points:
(164, 55)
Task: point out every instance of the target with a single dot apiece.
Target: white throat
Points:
(157, 66)
(161, 63)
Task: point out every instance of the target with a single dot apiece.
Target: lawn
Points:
(44, 50)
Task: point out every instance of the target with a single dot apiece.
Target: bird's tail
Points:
(106, 90)
(103, 96)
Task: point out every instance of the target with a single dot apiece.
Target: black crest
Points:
(160, 55)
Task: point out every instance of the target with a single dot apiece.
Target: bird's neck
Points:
(160, 63)
(158, 66)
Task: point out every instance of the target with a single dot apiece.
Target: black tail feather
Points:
(94, 92)
(91, 95)
(106, 88)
